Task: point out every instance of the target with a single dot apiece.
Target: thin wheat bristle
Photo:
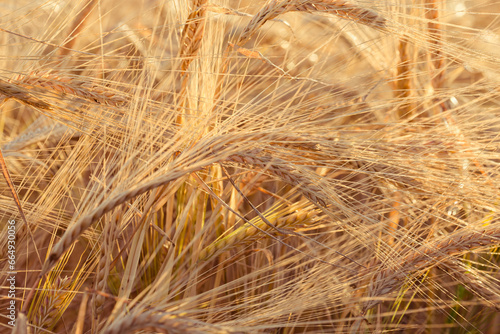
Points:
(480, 283)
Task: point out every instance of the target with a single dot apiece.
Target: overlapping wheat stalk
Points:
(192, 34)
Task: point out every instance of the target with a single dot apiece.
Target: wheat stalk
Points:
(435, 42)
(403, 85)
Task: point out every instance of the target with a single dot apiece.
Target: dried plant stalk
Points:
(77, 26)
(435, 41)
(403, 87)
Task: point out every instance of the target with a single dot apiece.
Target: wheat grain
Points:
(427, 256)
(474, 280)
(278, 167)
(192, 35)
(22, 95)
(67, 85)
(339, 8)
(288, 174)
(336, 144)
(75, 230)
(49, 309)
(289, 217)
(343, 9)
(165, 322)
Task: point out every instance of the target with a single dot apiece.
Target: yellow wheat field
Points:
(235, 166)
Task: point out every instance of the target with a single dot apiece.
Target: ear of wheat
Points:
(343, 9)
(66, 85)
(284, 218)
(284, 166)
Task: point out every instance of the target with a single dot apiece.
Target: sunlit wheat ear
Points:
(342, 9)
(479, 283)
(163, 322)
(192, 34)
(10, 91)
(403, 84)
(53, 299)
(424, 257)
(75, 230)
(284, 218)
(286, 173)
(277, 167)
(61, 84)
(36, 134)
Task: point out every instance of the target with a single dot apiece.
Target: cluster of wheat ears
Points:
(234, 166)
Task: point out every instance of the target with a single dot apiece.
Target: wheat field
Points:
(237, 166)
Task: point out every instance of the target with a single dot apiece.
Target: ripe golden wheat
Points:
(297, 166)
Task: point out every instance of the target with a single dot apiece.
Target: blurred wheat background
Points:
(236, 166)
